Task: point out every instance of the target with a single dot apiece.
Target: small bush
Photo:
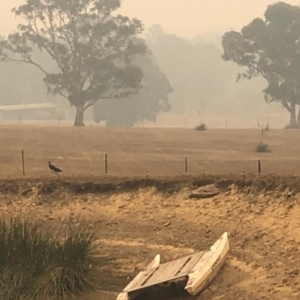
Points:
(201, 127)
(262, 148)
(40, 265)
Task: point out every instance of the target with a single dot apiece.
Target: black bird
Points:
(53, 168)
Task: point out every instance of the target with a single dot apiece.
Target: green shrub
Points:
(262, 148)
(39, 265)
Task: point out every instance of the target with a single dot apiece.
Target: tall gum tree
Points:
(93, 49)
(270, 48)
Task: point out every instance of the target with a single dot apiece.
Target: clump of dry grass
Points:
(201, 127)
(262, 148)
(35, 264)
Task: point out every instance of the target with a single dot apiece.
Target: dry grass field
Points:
(135, 219)
(134, 152)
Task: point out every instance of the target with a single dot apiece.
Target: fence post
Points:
(259, 167)
(106, 164)
(147, 179)
(23, 162)
(186, 164)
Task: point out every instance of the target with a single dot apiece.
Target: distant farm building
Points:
(36, 111)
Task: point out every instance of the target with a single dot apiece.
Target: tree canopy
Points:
(194, 68)
(93, 49)
(149, 100)
(269, 48)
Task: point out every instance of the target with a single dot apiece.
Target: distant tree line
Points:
(94, 58)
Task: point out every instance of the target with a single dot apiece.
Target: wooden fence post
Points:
(186, 164)
(106, 164)
(259, 167)
(23, 162)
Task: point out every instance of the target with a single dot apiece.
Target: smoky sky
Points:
(186, 18)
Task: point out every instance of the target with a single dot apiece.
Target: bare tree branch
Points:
(27, 62)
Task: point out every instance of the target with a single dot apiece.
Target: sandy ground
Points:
(135, 222)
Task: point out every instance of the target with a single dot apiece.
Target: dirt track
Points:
(135, 222)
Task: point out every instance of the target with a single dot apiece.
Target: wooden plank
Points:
(137, 282)
(190, 264)
(167, 272)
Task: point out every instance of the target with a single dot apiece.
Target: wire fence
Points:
(116, 165)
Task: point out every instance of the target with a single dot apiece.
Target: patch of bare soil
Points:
(135, 220)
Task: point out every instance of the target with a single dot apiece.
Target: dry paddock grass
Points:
(264, 228)
(134, 152)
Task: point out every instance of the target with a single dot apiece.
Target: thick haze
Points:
(186, 18)
(202, 81)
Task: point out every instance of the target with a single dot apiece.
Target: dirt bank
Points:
(136, 219)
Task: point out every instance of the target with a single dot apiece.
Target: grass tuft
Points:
(201, 127)
(35, 264)
(262, 148)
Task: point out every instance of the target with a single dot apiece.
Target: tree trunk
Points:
(79, 116)
(298, 119)
(293, 122)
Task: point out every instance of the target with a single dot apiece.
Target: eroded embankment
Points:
(136, 219)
